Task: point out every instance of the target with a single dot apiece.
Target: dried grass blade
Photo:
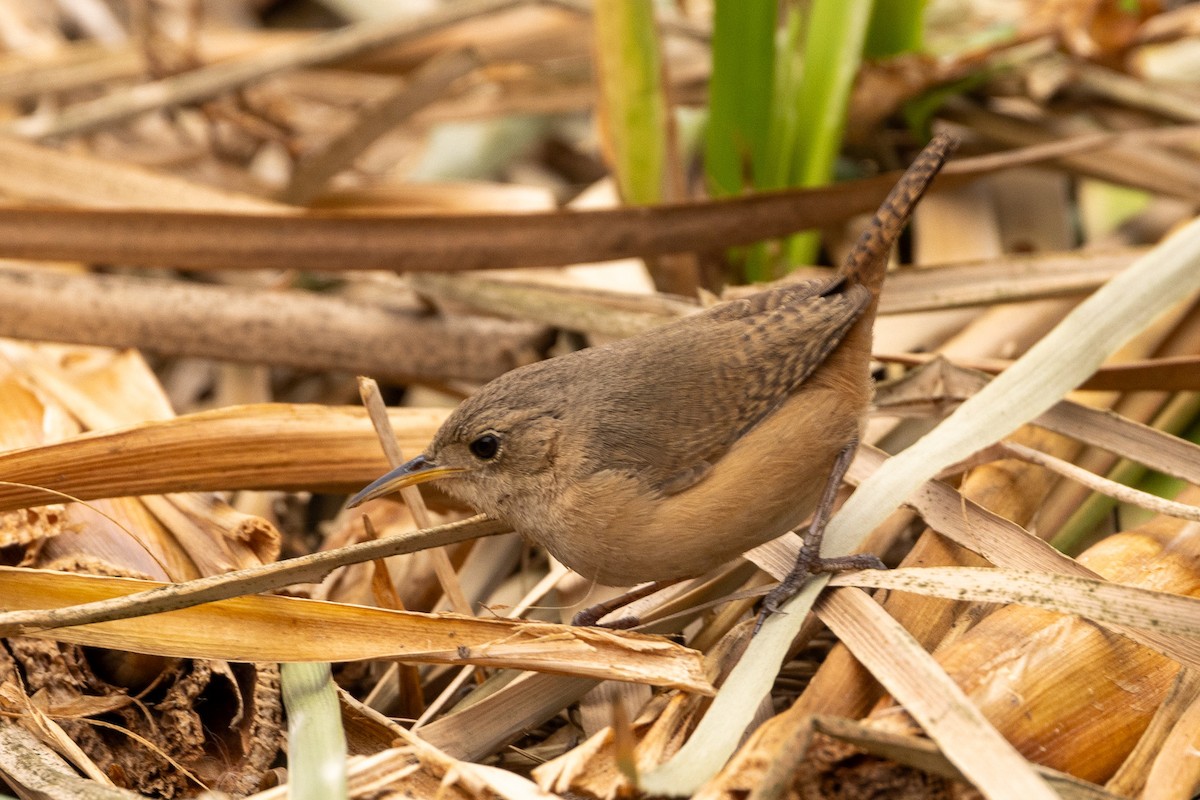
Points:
(267, 446)
(1008, 279)
(429, 83)
(1097, 600)
(1131, 778)
(1166, 374)
(1098, 427)
(1101, 484)
(44, 173)
(287, 629)
(503, 783)
(1129, 163)
(252, 580)
(487, 724)
(1006, 544)
(912, 676)
(1133, 440)
(1176, 770)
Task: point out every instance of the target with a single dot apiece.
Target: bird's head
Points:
(497, 445)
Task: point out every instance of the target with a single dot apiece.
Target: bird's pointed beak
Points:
(410, 473)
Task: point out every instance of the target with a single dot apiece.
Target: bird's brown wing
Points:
(703, 382)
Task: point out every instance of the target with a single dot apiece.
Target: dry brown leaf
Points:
(269, 446)
(270, 629)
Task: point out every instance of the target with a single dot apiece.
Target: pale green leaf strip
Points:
(786, 111)
(633, 101)
(316, 740)
(833, 45)
(718, 734)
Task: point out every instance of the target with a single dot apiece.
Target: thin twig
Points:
(1098, 483)
(207, 82)
(425, 86)
(1072, 145)
(377, 411)
(254, 580)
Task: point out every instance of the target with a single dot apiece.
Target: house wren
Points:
(664, 455)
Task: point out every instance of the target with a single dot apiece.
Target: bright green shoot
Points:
(779, 92)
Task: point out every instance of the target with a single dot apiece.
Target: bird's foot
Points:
(810, 565)
(809, 561)
(591, 616)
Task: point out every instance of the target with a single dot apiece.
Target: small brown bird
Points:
(667, 454)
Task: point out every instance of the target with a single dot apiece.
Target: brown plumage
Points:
(664, 455)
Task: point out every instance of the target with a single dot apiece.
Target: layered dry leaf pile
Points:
(216, 214)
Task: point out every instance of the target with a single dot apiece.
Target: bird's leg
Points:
(592, 615)
(809, 561)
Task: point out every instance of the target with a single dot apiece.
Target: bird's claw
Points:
(774, 601)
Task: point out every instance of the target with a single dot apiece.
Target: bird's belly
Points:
(766, 485)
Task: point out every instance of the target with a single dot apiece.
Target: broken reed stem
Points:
(373, 400)
(288, 328)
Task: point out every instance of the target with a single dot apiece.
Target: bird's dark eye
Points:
(485, 447)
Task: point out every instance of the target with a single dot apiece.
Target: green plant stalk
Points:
(833, 46)
(738, 137)
(783, 122)
(737, 143)
(785, 104)
(896, 27)
(632, 101)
